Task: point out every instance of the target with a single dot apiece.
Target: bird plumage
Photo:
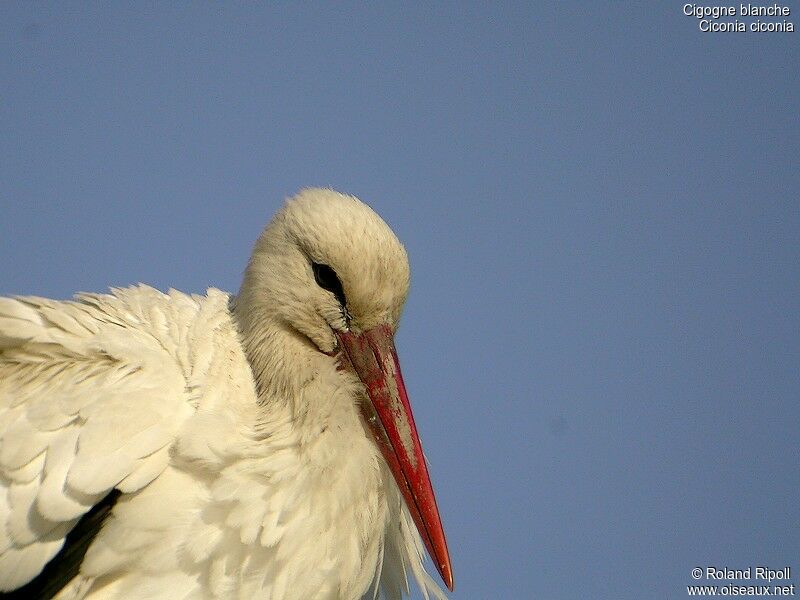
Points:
(227, 423)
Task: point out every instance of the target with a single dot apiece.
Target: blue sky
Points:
(600, 206)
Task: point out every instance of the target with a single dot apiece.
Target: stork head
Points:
(327, 263)
(329, 268)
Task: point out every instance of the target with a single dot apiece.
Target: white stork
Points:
(168, 446)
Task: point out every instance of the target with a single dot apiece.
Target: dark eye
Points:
(326, 279)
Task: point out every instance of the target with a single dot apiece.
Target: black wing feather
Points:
(65, 565)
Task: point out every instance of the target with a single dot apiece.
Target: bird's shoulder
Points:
(93, 392)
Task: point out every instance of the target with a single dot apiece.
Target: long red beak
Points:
(374, 359)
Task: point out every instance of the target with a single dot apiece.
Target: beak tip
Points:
(446, 573)
(449, 583)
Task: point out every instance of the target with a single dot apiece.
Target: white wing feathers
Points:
(92, 394)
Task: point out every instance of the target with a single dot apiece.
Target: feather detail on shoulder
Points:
(92, 394)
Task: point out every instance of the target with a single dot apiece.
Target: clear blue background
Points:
(601, 207)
